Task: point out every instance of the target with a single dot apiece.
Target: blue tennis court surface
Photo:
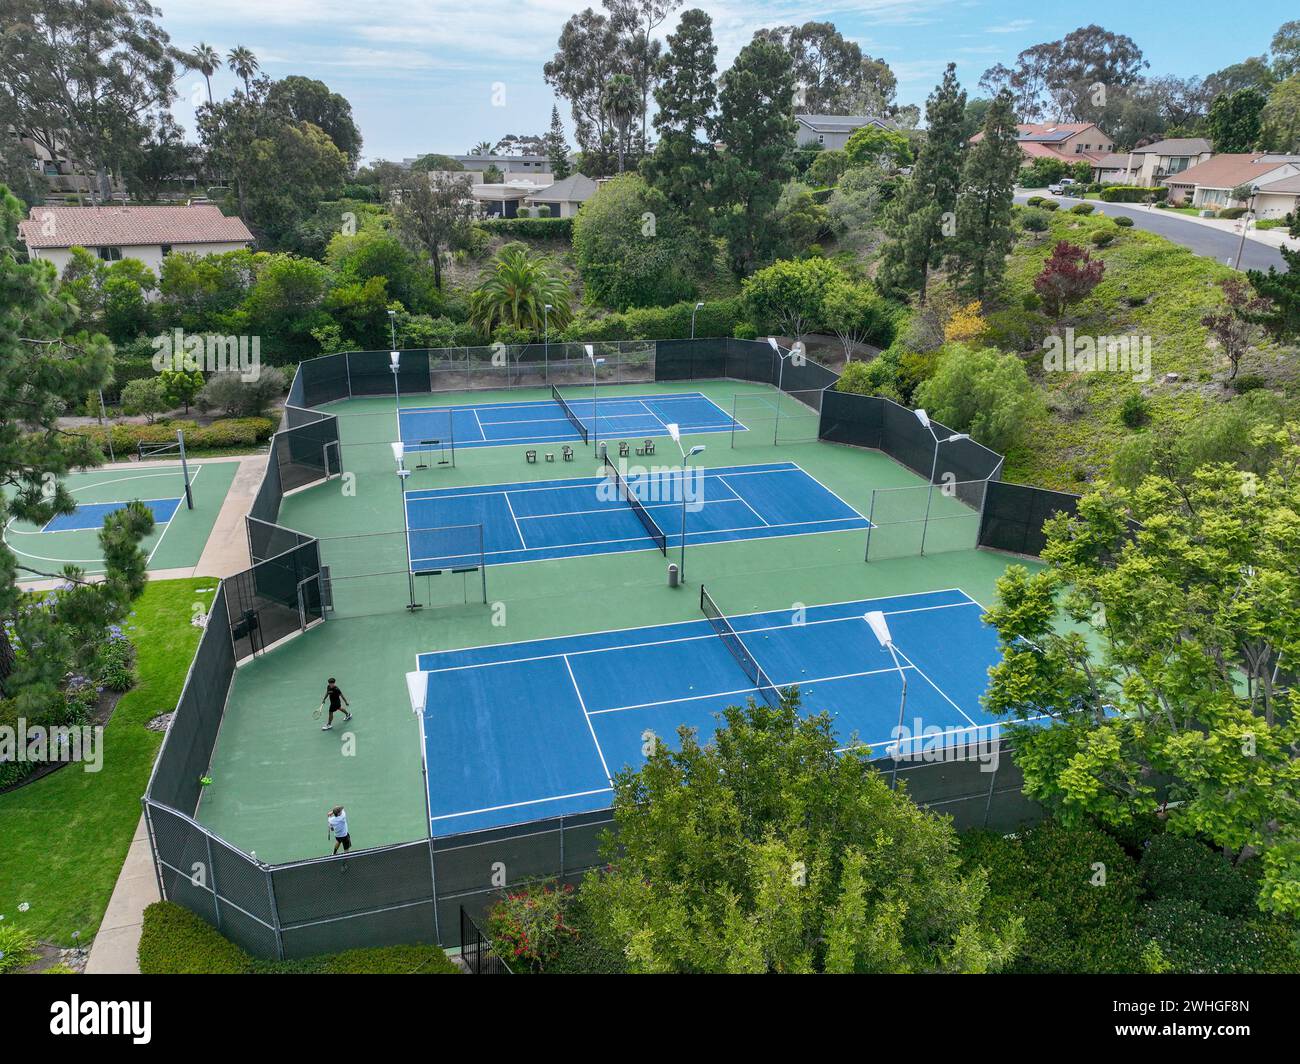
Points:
(571, 518)
(91, 515)
(544, 421)
(522, 731)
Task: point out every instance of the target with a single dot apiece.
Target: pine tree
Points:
(756, 123)
(679, 167)
(984, 232)
(1283, 288)
(557, 148)
(923, 214)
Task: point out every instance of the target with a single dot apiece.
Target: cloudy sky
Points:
(420, 74)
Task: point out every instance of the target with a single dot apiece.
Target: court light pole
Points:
(546, 343)
(394, 363)
(698, 307)
(392, 327)
(924, 419)
(880, 628)
(780, 384)
(595, 423)
(399, 454)
(675, 431)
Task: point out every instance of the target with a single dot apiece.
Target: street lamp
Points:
(880, 628)
(674, 430)
(698, 307)
(924, 419)
(595, 424)
(1245, 223)
(546, 342)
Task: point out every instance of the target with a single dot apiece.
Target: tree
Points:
(79, 79)
(832, 74)
(1282, 289)
(483, 147)
(852, 311)
(180, 388)
(756, 123)
(1281, 116)
(827, 168)
(46, 370)
(1234, 122)
(1285, 48)
(925, 208)
(1253, 73)
(298, 100)
(633, 249)
(144, 396)
(1181, 703)
(1068, 276)
(1235, 324)
(162, 157)
(875, 146)
(619, 98)
(767, 850)
(514, 290)
(243, 64)
(789, 293)
(293, 167)
(228, 392)
(679, 167)
(984, 392)
(591, 51)
(984, 205)
(434, 215)
(636, 21)
(205, 59)
(557, 148)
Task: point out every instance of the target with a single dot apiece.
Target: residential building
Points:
(832, 132)
(1147, 166)
(117, 232)
(507, 164)
(1277, 199)
(1210, 184)
(564, 197)
(61, 176)
(1069, 142)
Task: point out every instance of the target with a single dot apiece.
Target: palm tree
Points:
(483, 147)
(243, 63)
(621, 100)
(204, 59)
(514, 290)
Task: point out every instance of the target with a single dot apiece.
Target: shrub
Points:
(1083, 208)
(223, 434)
(1050, 205)
(877, 377)
(529, 228)
(1249, 382)
(1034, 201)
(1194, 941)
(1232, 212)
(1134, 411)
(529, 926)
(144, 396)
(17, 948)
(384, 960)
(1132, 194)
(1177, 865)
(743, 330)
(1101, 237)
(1124, 221)
(1068, 276)
(981, 391)
(226, 391)
(1035, 220)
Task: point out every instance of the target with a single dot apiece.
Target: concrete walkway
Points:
(113, 951)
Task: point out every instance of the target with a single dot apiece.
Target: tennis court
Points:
(532, 521)
(521, 731)
(179, 534)
(541, 422)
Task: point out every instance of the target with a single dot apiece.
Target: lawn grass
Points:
(64, 837)
(1152, 288)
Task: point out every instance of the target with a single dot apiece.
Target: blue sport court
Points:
(91, 515)
(522, 731)
(572, 518)
(544, 421)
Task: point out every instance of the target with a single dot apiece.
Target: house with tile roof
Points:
(1211, 183)
(1069, 142)
(117, 232)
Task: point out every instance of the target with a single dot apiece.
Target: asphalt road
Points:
(1200, 239)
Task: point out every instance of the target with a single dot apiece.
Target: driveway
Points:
(1201, 239)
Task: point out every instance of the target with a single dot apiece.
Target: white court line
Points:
(530, 801)
(687, 638)
(583, 703)
(518, 531)
(744, 503)
(942, 693)
(542, 404)
(745, 690)
(195, 477)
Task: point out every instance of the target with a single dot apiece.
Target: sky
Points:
(440, 75)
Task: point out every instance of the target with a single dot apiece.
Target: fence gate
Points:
(332, 454)
(311, 601)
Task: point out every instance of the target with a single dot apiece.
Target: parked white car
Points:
(1061, 186)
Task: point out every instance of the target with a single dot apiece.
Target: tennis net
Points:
(628, 496)
(568, 412)
(736, 645)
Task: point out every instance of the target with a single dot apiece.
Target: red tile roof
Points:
(114, 226)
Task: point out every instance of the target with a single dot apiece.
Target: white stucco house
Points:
(1211, 183)
(565, 196)
(116, 232)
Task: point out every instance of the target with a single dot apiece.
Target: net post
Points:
(185, 470)
(871, 523)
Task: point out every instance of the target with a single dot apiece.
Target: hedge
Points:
(529, 228)
(1131, 193)
(174, 941)
(221, 434)
(718, 317)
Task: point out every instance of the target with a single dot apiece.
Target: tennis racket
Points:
(318, 711)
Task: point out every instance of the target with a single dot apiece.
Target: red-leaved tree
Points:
(1235, 324)
(1069, 275)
